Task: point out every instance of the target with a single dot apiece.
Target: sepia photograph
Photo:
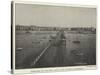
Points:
(48, 36)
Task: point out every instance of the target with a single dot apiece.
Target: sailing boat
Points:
(76, 41)
(28, 30)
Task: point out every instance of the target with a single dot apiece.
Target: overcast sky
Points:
(42, 15)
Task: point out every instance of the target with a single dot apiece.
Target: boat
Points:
(76, 41)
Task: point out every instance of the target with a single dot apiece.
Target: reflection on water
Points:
(80, 49)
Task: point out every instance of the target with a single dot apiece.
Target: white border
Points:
(54, 4)
(57, 69)
(51, 69)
